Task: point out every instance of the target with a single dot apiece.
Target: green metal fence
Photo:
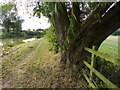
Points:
(93, 70)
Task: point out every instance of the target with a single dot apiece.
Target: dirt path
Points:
(16, 73)
(42, 69)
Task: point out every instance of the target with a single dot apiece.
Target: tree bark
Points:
(92, 32)
(62, 24)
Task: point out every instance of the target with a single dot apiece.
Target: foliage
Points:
(14, 34)
(9, 18)
(50, 10)
(22, 42)
(50, 34)
(10, 35)
(46, 8)
(9, 45)
(53, 11)
(109, 70)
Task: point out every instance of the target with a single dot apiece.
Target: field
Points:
(111, 46)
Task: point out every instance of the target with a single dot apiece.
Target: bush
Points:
(11, 44)
(7, 47)
(39, 36)
(50, 34)
(107, 69)
(22, 42)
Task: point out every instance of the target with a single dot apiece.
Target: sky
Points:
(26, 13)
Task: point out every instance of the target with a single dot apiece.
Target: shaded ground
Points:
(32, 65)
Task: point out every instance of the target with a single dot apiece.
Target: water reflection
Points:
(1, 44)
(28, 40)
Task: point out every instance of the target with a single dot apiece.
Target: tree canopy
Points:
(9, 18)
(80, 24)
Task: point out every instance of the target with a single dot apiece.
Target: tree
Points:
(9, 18)
(80, 25)
(39, 29)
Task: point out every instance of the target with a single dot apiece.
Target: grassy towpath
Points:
(32, 65)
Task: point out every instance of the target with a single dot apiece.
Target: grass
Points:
(33, 71)
(36, 67)
(12, 57)
(32, 65)
(111, 46)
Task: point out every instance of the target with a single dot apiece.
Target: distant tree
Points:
(9, 18)
(39, 30)
(29, 29)
(33, 29)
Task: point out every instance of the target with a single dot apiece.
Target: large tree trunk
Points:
(92, 31)
(62, 24)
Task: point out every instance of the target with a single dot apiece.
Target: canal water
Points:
(5, 42)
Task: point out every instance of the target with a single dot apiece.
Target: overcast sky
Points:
(26, 13)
